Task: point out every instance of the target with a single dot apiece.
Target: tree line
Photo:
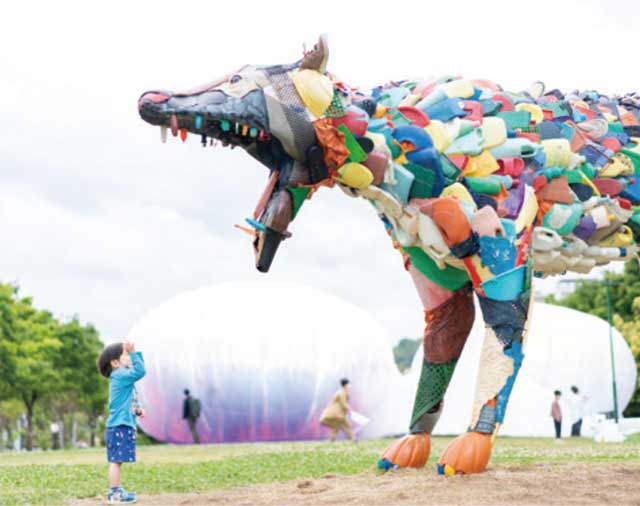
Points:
(47, 369)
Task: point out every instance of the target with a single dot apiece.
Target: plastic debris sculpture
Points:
(478, 188)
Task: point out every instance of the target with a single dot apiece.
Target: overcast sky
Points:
(100, 219)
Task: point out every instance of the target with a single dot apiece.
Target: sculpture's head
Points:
(260, 109)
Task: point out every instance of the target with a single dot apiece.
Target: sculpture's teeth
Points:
(237, 128)
(163, 134)
(203, 140)
(198, 122)
(253, 132)
(245, 130)
(183, 134)
(224, 124)
(173, 123)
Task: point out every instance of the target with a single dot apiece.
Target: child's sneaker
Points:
(121, 496)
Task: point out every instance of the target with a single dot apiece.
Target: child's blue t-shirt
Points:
(121, 405)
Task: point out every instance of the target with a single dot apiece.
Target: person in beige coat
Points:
(335, 414)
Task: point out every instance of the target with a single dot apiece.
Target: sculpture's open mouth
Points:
(234, 121)
(211, 114)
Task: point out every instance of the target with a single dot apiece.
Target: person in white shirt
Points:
(578, 402)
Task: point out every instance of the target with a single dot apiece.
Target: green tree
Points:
(29, 345)
(591, 297)
(83, 388)
(404, 351)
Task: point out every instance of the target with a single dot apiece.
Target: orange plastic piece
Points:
(333, 143)
(452, 221)
(469, 453)
(268, 190)
(410, 451)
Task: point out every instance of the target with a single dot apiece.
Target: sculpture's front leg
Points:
(500, 361)
(449, 316)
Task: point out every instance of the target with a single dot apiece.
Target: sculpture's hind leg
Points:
(449, 316)
(506, 324)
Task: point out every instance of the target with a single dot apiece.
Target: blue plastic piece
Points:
(226, 126)
(506, 286)
(384, 464)
(515, 352)
(498, 253)
(391, 97)
(446, 110)
(632, 191)
(255, 224)
(198, 122)
(596, 155)
(404, 180)
(414, 134)
(440, 469)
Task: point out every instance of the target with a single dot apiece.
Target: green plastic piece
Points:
(226, 126)
(450, 170)
(422, 186)
(588, 170)
(298, 196)
(489, 185)
(356, 153)
(395, 150)
(516, 119)
(449, 277)
(616, 127)
(434, 380)
(573, 176)
(399, 119)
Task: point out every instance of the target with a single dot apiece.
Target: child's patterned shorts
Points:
(121, 444)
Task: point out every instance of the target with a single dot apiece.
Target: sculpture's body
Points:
(478, 189)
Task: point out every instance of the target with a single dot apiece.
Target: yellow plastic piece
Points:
(449, 471)
(380, 111)
(586, 180)
(439, 135)
(379, 140)
(410, 100)
(621, 239)
(619, 165)
(355, 175)
(461, 88)
(558, 152)
(527, 213)
(482, 165)
(536, 111)
(483, 272)
(459, 191)
(315, 90)
(495, 132)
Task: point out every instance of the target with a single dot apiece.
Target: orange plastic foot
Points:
(467, 454)
(409, 451)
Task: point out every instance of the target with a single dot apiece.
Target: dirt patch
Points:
(580, 483)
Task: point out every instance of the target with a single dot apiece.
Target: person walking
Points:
(191, 413)
(556, 413)
(335, 414)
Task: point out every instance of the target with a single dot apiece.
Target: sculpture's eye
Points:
(235, 78)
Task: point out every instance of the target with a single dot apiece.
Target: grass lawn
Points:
(58, 477)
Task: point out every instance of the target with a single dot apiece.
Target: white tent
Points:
(264, 359)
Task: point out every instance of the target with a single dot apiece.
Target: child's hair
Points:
(111, 352)
(557, 392)
(344, 381)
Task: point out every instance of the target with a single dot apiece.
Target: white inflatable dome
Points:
(264, 359)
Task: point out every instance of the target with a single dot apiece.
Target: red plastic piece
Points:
(354, 121)
(539, 182)
(474, 110)
(587, 112)
(511, 166)
(611, 143)
(415, 115)
(624, 203)
(459, 161)
(547, 114)
(533, 137)
(607, 186)
(507, 104)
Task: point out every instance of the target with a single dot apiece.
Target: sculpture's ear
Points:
(316, 59)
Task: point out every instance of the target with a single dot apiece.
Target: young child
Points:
(556, 413)
(123, 366)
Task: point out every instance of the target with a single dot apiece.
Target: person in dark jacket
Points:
(191, 413)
